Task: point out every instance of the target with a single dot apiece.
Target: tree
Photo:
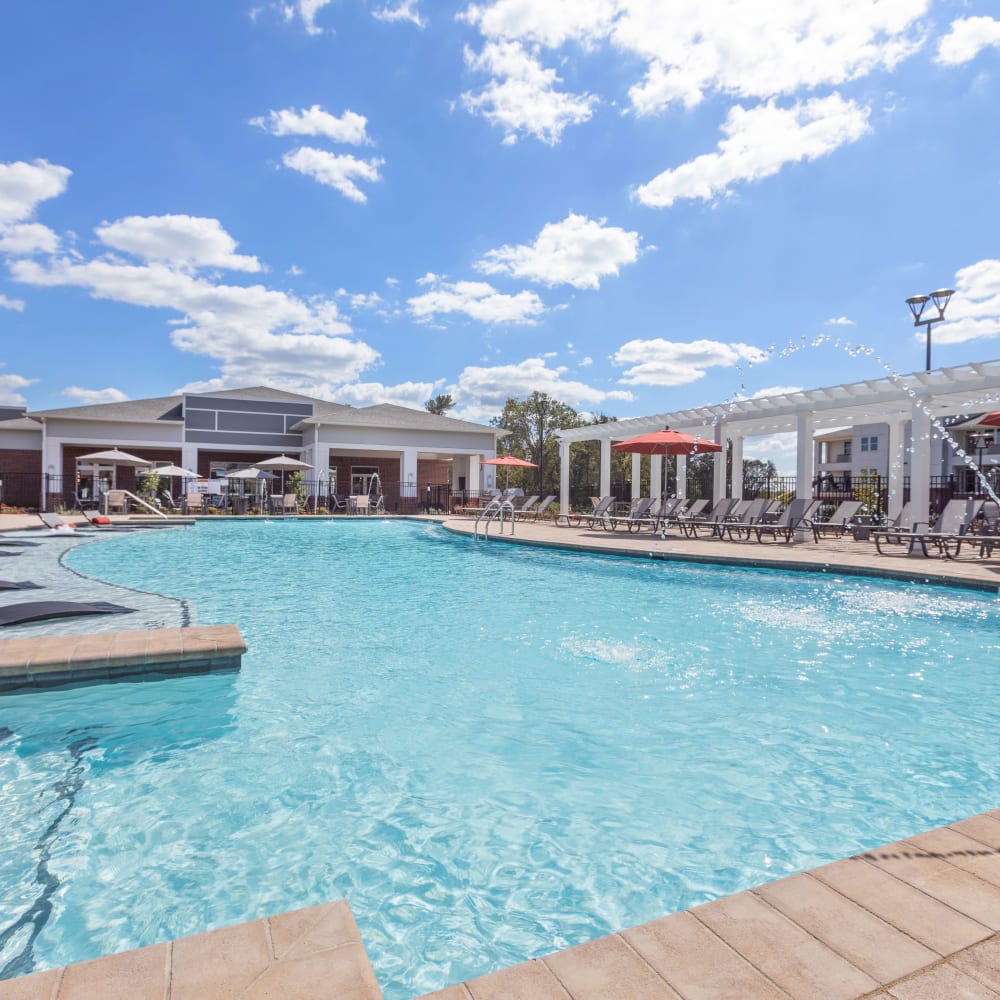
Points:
(440, 404)
(532, 423)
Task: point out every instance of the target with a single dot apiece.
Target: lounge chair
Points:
(36, 611)
(671, 510)
(837, 523)
(719, 512)
(194, 503)
(600, 514)
(571, 520)
(745, 516)
(694, 512)
(536, 512)
(639, 514)
(788, 522)
(951, 528)
(526, 504)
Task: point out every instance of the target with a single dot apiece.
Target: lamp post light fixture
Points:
(918, 302)
(980, 440)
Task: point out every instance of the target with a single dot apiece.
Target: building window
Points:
(847, 449)
(864, 444)
(873, 444)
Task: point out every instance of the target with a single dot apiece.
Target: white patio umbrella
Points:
(282, 464)
(115, 457)
(252, 473)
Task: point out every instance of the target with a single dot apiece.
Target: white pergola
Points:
(917, 400)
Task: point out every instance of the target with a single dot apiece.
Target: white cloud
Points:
(25, 238)
(255, 333)
(17, 305)
(521, 97)
(839, 321)
(334, 170)
(480, 392)
(967, 38)
(295, 271)
(775, 390)
(758, 143)
(577, 251)
(778, 448)
(413, 394)
(350, 128)
(974, 311)
(727, 46)
(405, 10)
(306, 10)
(184, 241)
(665, 362)
(24, 185)
(585, 362)
(478, 300)
(89, 396)
(9, 386)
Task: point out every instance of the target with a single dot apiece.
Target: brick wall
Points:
(21, 474)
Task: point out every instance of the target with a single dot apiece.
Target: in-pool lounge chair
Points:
(950, 529)
(58, 524)
(788, 522)
(837, 523)
(18, 585)
(36, 611)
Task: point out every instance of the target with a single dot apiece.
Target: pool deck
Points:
(915, 920)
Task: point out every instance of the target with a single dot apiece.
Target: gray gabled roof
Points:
(392, 416)
(142, 411)
(263, 392)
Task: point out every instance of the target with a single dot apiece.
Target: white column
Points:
(655, 475)
(920, 463)
(804, 457)
(189, 457)
(719, 466)
(408, 473)
(737, 489)
(475, 481)
(318, 475)
(605, 488)
(564, 476)
(682, 476)
(897, 466)
(636, 475)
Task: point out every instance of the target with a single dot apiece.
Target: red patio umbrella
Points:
(667, 442)
(991, 419)
(508, 461)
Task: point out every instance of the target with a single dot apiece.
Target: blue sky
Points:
(624, 203)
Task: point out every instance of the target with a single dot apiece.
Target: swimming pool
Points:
(491, 752)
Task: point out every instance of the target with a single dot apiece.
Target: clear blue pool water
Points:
(491, 752)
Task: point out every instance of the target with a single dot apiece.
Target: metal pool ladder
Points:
(493, 510)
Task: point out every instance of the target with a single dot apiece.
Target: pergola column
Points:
(605, 487)
(920, 462)
(897, 466)
(636, 475)
(564, 476)
(737, 453)
(682, 477)
(804, 456)
(655, 475)
(719, 466)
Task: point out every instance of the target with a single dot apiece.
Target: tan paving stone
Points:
(141, 974)
(956, 888)
(942, 983)
(981, 962)
(985, 829)
(696, 963)
(608, 969)
(871, 944)
(219, 965)
(39, 986)
(961, 851)
(313, 929)
(922, 917)
(449, 993)
(527, 981)
(783, 951)
(342, 973)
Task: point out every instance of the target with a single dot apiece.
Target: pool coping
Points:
(34, 662)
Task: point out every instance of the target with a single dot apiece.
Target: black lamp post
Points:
(918, 302)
